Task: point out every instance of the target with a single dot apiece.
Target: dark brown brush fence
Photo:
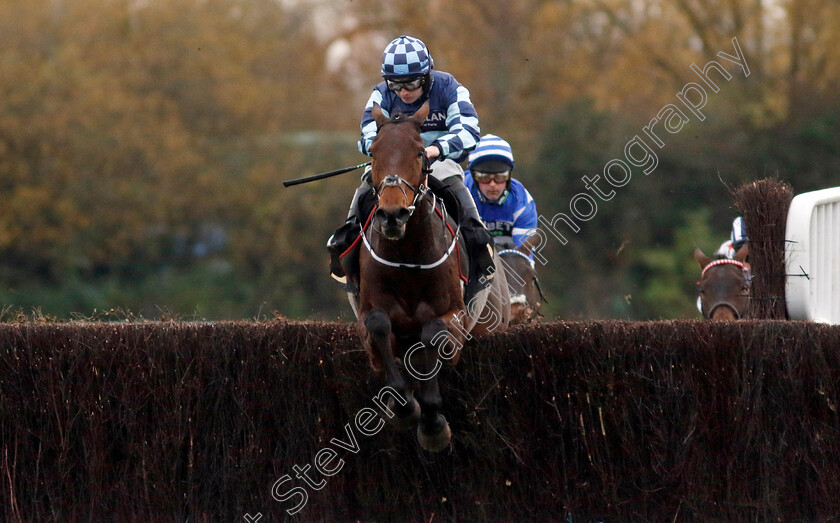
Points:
(764, 206)
(601, 420)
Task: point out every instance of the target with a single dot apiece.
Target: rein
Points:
(518, 253)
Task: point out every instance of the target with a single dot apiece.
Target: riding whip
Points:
(321, 176)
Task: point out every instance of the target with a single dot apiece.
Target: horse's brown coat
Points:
(399, 307)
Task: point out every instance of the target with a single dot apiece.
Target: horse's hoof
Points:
(406, 416)
(436, 441)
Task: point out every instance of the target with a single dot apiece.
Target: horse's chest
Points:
(410, 316)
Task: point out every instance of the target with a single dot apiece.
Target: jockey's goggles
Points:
(407, 84)
(482, 177)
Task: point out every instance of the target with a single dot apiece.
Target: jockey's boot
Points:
(478, 242)
(344, 236)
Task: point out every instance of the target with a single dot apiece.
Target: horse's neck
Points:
(425, 222)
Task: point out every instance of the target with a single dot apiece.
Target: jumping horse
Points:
(724, 285)
(526, 297)
(410, 302)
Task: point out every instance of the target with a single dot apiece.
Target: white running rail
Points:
(813, 248)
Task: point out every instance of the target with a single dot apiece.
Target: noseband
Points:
(397, 181)
(747, 278)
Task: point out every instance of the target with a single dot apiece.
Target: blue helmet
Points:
(406, 56)
(492, 154)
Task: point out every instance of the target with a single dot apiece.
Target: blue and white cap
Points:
(406, 56)
(492, 154)
(739, 232)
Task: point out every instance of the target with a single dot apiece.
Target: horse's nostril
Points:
(403, 215)
(393, 217)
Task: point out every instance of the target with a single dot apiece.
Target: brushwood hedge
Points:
(583, 421)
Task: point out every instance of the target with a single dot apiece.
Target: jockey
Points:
(507, 208)
(450, 131)
(737, 238)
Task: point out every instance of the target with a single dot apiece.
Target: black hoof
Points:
(406, 416)
(436, 438)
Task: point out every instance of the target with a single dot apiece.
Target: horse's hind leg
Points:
(433, 433)
(378, 326)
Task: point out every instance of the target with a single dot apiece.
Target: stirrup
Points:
(336, 270)
(337, 274)
(348, 286)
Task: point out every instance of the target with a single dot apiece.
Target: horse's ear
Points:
(378, 117)
(742, 253)
(421, 114)
(701, 258)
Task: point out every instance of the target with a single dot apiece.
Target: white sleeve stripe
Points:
(470, 121)
(528, 198)
(463, 94)
(452, 112)
(375, 98)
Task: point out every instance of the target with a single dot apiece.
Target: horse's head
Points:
(523, 286)
(724, 285)
(397, 169)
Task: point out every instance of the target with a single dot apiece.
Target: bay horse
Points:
(724, 285)
(410, 302)
(526, 297)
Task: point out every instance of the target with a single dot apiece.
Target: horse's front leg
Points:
(379, 342)
(441, 341)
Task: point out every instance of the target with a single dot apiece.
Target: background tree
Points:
(143, 144)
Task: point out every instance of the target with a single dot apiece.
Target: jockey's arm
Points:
(432, 152)
(525, 222)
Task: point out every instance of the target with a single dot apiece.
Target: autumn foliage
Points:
(143, 143)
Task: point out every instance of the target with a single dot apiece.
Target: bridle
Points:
(723, 262)
(395, 180)
(747, 280)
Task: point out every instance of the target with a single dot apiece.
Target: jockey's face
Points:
(410, 97)
(408, 89)
(492, 189)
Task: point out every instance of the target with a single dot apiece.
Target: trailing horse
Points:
(410, 302)
(526, 297)
(724, 285)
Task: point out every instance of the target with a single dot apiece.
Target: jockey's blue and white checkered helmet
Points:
(405, 59)
(491, 155)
